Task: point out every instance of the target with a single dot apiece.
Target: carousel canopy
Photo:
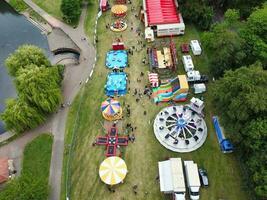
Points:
(112, 170)
(110, 107)
(119, 9)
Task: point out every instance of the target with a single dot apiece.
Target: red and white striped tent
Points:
(153, 79)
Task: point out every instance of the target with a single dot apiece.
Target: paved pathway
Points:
(71, 85)
(15, 148)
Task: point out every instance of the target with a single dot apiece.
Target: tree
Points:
(245, 6)
(241, 99)
(197, 12)
(241, 96)
(255, 36)
(224, 47)
(39, 86)
(71, 10)
(231, 16)
(24, 56)
(20, 116)
(254, 147)
(254, 136)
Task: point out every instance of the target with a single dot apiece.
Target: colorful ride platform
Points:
(112, 141)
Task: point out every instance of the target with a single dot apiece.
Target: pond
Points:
(15, 30)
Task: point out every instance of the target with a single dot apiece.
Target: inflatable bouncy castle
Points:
(173, 90)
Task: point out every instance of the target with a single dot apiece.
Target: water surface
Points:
(15, 30)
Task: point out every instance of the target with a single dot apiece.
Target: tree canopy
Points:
(20, 116)
(24, 56)
(246, 7)
(225, 46)
(38, 89)
(39, 86)
(254, 34)
(241, 99)
(241, 95)
(233, 43)
(71, 10)
(197, 12)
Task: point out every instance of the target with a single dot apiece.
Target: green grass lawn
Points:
(142, 156)
(90, 18)
(33, 181)
(50, 6)
(18, 5)
(37, 157)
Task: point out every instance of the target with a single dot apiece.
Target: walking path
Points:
(73, 77)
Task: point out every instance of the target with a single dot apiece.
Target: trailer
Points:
(172, 178)
(225, 144)
(192, 179)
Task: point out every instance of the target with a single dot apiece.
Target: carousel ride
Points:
(111, 109)
(113, 170)
(119, 11)
(180, 129)
(118, 26)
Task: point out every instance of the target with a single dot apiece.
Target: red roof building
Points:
(161, 12)
(163, 15)
(4, 172)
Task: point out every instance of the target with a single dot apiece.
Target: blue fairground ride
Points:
(225, 144)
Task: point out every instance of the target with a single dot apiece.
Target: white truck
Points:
(172, 178)
(192, 179)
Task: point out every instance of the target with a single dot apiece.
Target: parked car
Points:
(203, 177)
(185, 48)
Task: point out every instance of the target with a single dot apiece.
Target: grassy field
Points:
(141, 157)
(50, 6)
(18, 5)
(33, 181)
(37, 156)
(90, 18)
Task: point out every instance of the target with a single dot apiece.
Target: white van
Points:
(195, 46)
(199, 88)
(188, 63)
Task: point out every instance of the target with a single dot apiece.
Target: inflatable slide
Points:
(175, 90)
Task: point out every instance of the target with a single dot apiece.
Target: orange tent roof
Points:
(119, 9)
(4, 172)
